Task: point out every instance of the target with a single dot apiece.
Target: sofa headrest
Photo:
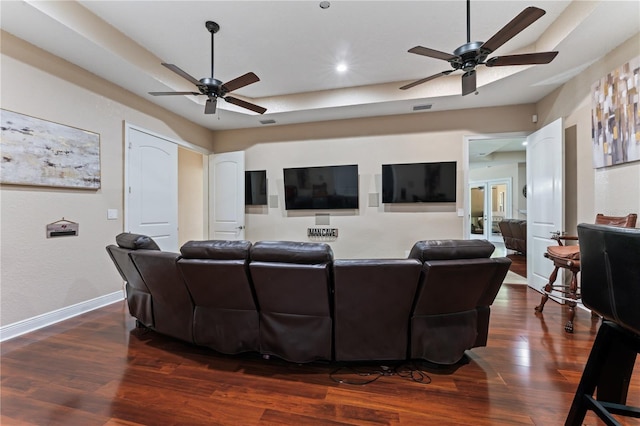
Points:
(136, 241)
(451, 249)
(216, 249)
(291, 252)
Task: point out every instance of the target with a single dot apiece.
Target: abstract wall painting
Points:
(43, 153)
(615, 117)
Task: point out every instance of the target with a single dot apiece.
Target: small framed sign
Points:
(62, 228)
(322, 234)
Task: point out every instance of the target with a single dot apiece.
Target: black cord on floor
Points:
(405, 371)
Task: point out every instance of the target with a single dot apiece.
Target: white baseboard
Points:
(31, 324)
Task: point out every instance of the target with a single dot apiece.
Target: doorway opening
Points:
(490, 203)
(496, 176)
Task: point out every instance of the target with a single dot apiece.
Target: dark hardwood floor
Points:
(518, 264)
(98, 369)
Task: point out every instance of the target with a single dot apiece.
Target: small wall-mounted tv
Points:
(255, 188)
(419, 182)
(328, 187)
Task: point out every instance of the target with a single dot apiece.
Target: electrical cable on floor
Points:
(406, 371)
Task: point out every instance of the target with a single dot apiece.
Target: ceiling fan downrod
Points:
(213, 28)
(468, 21)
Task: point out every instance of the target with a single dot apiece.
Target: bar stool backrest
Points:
(610, 269)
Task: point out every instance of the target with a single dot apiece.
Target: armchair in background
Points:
(514, 234)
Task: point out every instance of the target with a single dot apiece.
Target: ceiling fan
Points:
(472, 54)
(213, 88)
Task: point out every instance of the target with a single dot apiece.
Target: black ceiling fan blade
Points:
(210, 106)
(182, 74)
(523, 59)
(245, 104)
(468, 82)
(424, 80)
(174, 93)
(527, 17)
(243, 80)
(425, 51)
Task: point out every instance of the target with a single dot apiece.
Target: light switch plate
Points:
(112, 214)
(373, 199)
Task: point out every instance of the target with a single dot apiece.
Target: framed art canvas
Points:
(615, 118)
(43, 153)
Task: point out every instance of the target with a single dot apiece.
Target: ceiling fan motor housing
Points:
(470, 55)
(212, 86)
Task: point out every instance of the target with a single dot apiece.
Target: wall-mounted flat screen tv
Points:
(328, 187)
(255, 188)
(419, 182)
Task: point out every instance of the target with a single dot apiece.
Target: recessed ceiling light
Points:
(324, 5)
(341, 67)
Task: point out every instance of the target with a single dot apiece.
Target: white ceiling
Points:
(294, 46)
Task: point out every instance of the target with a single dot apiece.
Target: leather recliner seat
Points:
(458, 284)
(292, 282)
(373, 300)
(138, 294)
(172, 304)
(225, 315)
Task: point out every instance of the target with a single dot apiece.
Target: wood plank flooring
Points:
(518, 264)
(98, 369)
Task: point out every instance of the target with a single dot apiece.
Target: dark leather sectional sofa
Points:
(295, 301)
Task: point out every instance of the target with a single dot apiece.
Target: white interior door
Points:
(226, 208)
(152, 193)
(545, 198)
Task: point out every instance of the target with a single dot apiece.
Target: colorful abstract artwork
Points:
(42, 153)
(615, 117)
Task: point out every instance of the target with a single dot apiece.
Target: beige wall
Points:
(40, 275)
(191, 215)
(611, 190)
(370, 231)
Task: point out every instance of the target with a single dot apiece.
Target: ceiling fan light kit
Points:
(212, 87)
(471, 54)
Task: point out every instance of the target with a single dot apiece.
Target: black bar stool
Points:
(610, 269)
